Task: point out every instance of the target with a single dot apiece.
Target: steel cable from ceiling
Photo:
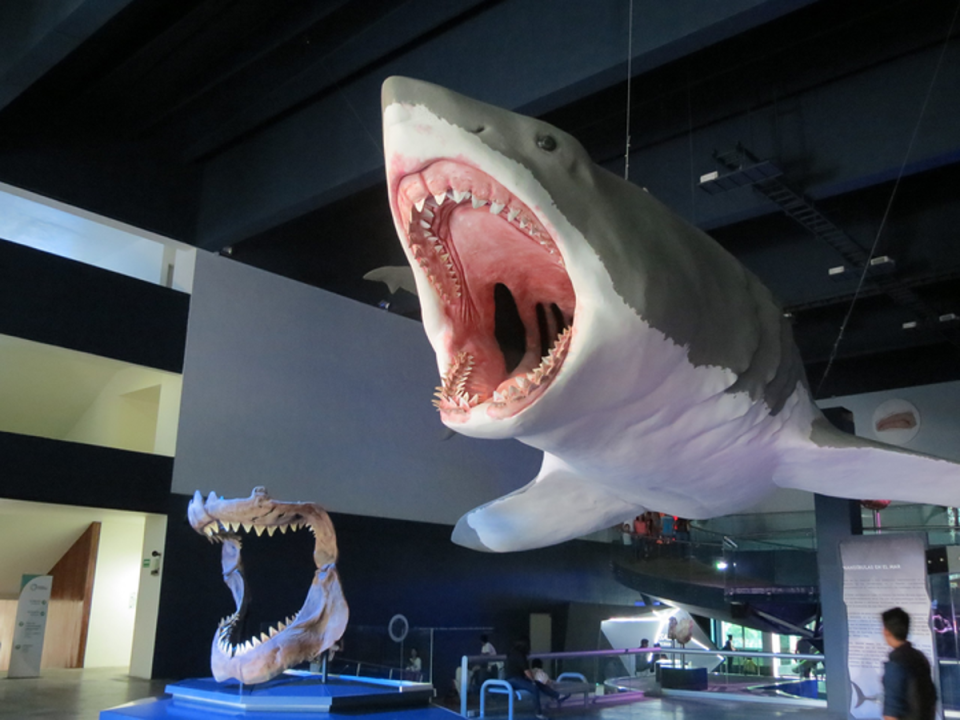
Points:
(626, 154)
(886, 212)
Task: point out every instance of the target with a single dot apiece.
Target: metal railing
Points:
(347, 666)
(467, 660)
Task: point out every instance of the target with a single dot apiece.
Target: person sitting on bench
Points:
(520, 676)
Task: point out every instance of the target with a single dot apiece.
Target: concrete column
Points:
(836, 520)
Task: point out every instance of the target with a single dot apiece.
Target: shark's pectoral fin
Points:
(842, 465)
(558, 505)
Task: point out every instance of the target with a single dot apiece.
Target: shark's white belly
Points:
(656, 431)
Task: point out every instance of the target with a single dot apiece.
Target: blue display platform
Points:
(292, 696)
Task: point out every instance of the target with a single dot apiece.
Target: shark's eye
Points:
(546, 142)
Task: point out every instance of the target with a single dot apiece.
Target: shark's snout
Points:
(498, 302)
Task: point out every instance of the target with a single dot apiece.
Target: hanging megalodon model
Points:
(571, 310)
(323, 617)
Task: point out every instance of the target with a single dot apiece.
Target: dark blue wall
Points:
(52, 300)
(54, 471)
(386, 567)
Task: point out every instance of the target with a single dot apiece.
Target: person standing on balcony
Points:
(908, 689)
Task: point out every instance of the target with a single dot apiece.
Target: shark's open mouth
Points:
(320, 621)
(502, 284)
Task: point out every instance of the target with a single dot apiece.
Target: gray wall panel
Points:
(322, 398)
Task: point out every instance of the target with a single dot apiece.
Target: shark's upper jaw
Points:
(500, 283)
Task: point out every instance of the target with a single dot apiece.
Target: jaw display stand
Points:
(294, 695)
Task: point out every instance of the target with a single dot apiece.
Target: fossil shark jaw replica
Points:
(571, 310)
(321, 620)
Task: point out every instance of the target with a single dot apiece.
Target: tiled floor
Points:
(82, 694)
(72, 694)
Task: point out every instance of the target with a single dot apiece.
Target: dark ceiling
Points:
(251, 127)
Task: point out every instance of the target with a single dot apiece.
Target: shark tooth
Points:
(209, 530)
(259, 529)
(294, 526)
(428, 213)
(254, 642)
(459, 197)
(271, 530)
(247, 527)
(419, 204)
(424, 224)
(512, 215)
(439, 198)
(281, 626)
(477, 202)
(523, 383)
(283, 529)
(498, 398)
(496, 207)
(212, 497)
(264, 637)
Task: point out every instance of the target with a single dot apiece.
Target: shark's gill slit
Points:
(545, 334)
(508, 328)
(558, 318)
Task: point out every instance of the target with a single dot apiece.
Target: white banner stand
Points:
(30, 626)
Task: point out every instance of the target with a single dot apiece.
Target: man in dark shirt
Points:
(908, 690)
(517, 673)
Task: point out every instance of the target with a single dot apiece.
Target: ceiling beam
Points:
(518, 54)
(35, 36)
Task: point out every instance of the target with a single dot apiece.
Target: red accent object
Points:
(875, 504)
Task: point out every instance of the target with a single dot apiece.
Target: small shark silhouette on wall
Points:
(571, 310)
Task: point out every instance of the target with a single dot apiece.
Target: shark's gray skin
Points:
(571, 310)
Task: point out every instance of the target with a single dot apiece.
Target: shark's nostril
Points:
(508, 328)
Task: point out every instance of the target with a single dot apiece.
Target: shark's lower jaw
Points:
(321, 620)
(502, 285)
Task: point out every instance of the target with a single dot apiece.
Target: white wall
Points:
(148, 599)
(63, 394)
(127, 413)
(115, 591)
(54, 227)
(939, 410)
